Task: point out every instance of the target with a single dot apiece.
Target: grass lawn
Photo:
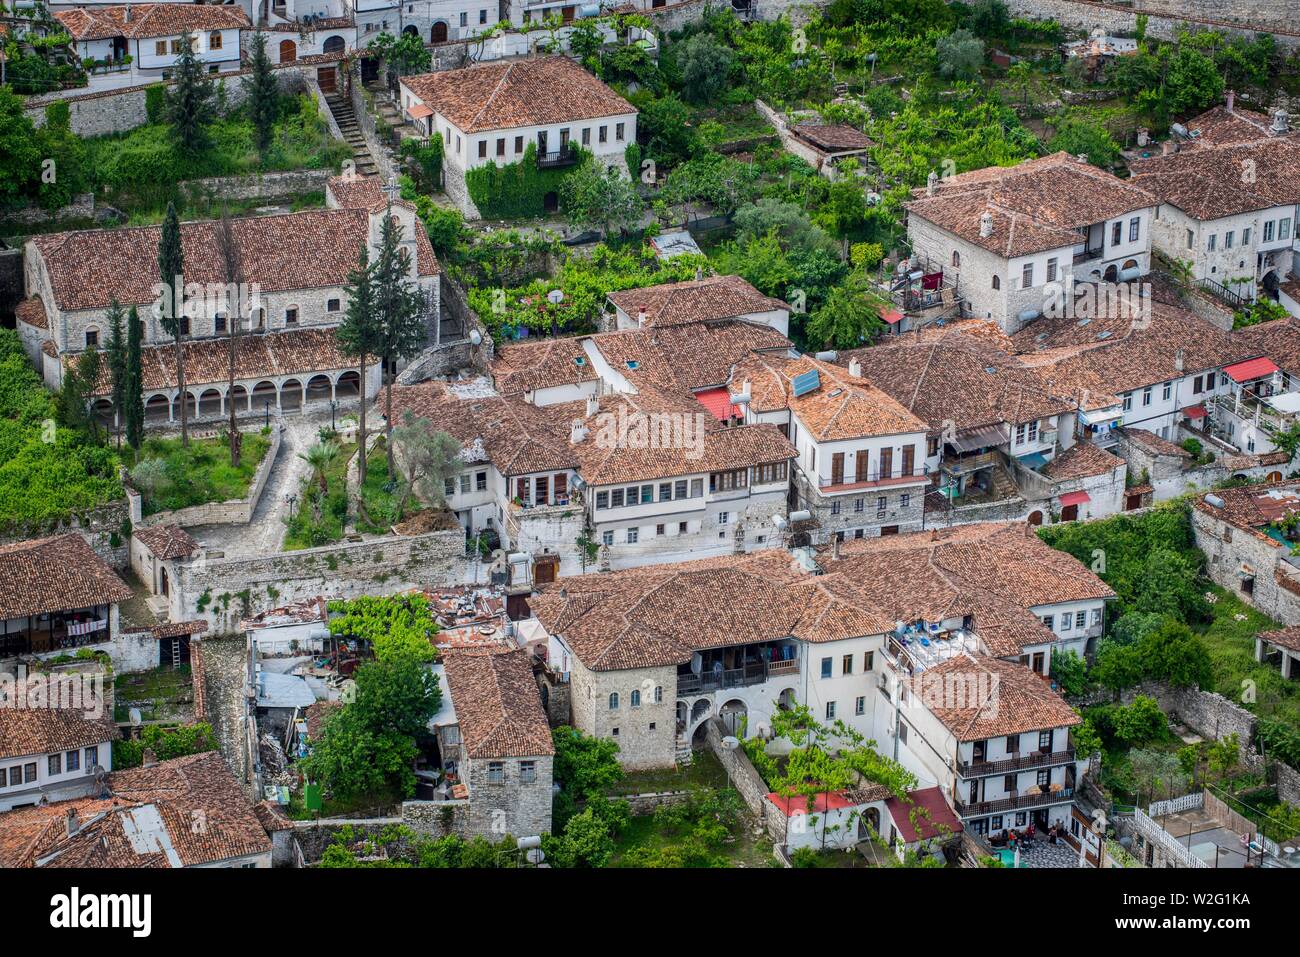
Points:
(381, 501)
(306, 530)
(704, 771)
(378, 804)
(744, 850)
(200, 473)
(1231, 643)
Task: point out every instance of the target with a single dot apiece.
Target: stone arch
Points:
(264, 393)
(438, 34)
(997, 282)
(1129, 264)
(348, 385)
(701, 710)
(551, 202)
(157, 408)
(1035, 517)
(319, 388)
(239, 396)
(103, 411)
(734, 715)
(210, 402)
(411, 30)
(191, 404)
(1273, 476)
(333, 44)
(786, 700)
(288, 51)
(291, 394)
(1111, 274)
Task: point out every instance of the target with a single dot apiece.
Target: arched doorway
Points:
(786, 700)
(157, 408)
(869, 824)
(1035, 517)
(439, 32)
(239, 399)
(164, 586)
(210, 402)
(1270, 282)
(349, 386)
(318, 388)
(291, 395)
(263, 396)
(103, 412)
(1273, 477)
(288, 51)
(333, 44)
(734, 714)
(551, 202)
(1112, 273)
(411, 30)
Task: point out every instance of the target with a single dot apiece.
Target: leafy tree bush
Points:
(165, 743)
(584, 767)
(705, 65)
(515, 190)
(398, 627)
(598, 196)
(1070, 672)
(960, 55)
(1078, 137)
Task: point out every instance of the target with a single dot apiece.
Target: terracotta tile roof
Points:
(177, 629)
(934, 817)
(1217, 127)
(1003, 698)
(515, 436)
(29, 731)
(1279, 340)
(1252, 507)
(540, 364)
(696, 300)
(269, 814)
(60, 573)
(499, 96)
(164, 804)
(151, 20)
(1036, 205)
(498, 706)
(1209, 183)
(958, 378)
(366, 192)
(207, 361)
(1284, 637)
(32, 312)
(683, 359)
(305, 250)
(1154, 444)
(166, 541)
(661, 614)
(843, 407)
(832, 137)
(1081, 460)
(316, 713)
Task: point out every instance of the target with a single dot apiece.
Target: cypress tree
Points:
(117, 363)
(359, 335)
(171, 266)
(399, 307)
(190, 106)
(263, 95)
(133, 385)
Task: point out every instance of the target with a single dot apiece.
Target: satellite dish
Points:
(555, 296)
(136, 718)
(731, 742)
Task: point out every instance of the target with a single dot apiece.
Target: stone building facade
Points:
(644, 732)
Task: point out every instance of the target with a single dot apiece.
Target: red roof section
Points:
(890, 316)
(1075, 498)
(835, 800)
(1195, 412)
(1250, 369)
(934, 814)
(718, 401)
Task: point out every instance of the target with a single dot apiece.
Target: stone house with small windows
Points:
(292, 298)
(504, 753)
(495, 112)
(1009, 237)
(708, 299)
(50, 753)
(1244, 552)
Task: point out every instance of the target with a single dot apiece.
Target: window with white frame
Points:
(496, 772)
(527, 772)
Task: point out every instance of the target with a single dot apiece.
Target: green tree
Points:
(320, 457)
(360, 335)
(1170, 587)
(429, 457)
(846, 320)
(1192, 82)
(586, 842)
(989, 18)
(1173, 653)
(65, 164)
(399, 694)
(263, 95)
(352, 758)
(705, 65)
(960, 55)
(1131, 628)
(1140, 721)
(133, 401)
(584, 766)
(20, 156)
(1087, 741)
(1118, 666)
(666, 123)
(171, 269)
(400, 311)
(190, 102)
(596, 195)
(396, 626)
(1079, 137)
(119, 381)
(405, 54)
(1070, 672)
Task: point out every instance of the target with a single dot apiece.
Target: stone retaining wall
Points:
(1164, 23)
(267, 186)
(237, 511)
(106, 529)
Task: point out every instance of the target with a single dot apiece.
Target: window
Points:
(728, 481)
(1284, 228)
(519, 144)
(1196, 386)
(956, 258)
(997, 282)
(1045, 740)
(904, 500)
(881, 502)
(1096, 617)
(1066, 620)
(1008, 785)
(858, 504)
(464, 19)
(92, 759)
(607, 538)
(219, 322)
(482, 149)
(586, 136)
(618, 131)
(647, 494)
(1020, 434)
(1081, 619)
(846, 666)
(995, 824)
(603, 134)
(1167, 391)
(659, 530)
(482, 16)
(291, 316)
(636, 699)
(659, 694)
(868, 659)
(826, 667)
(1116, 233)
(1027, 276)
(902, 732)
(1051, 269)
(1245, 236)
(613, 701)
(1213, 242)
(1013, 744)
(1268, 232)
(527, 772)
(55, 764)
(496, 772)
(860, 706)
(1049, 620)
(602, 500)
(332, 305)
(1043, 777)
(835, 507)
(1146, 396)
(614, 732)
(214, 40)
(160, 48)
(633, 536)
(501, 146)
(770, 473)
(1033, 431)
(724, 518)
(464, 484)
(1191, 239)
(72, 761)
(449, 486)
(92, 338)
(1134, 225)
(1227, 239)
(1128, 402)
(480, 481)
(830, 710)
(616, 498)
(679, 489)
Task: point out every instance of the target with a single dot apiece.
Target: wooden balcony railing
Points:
(1034, 759)
(1036, 799)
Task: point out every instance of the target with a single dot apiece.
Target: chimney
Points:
(699, 273)
(1167, 148)
(1083, 157)
(835, 548)
(1230, 100)
(931, 183)
(986, 225)
(593, 405)
(855, 368)
(1178, 360)
(148, 759)
(1281, 122)
(641, 318)
(577, 433)
(71, 823)
(126, 14)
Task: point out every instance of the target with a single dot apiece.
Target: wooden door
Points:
(886, 463)
(288, 51)
(837, 468)
(439, 34)
(909, 459)
(1070, 513)
(326, 78)
(546, 570)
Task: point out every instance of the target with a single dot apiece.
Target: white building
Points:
(538, 110)
(52, 754)
(1009, 237)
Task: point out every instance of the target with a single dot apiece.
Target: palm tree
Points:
(320, 457)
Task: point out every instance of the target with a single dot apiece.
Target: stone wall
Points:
(266, 186)
(1276, 590)
(231, 589)
(437, 818)
(639, 745)
(1209, 714)
(747, 781)
(106, 529)
(11, 281)
(1255, 14)
(1205, 14)
(238, 511)
(314, 837)
(511, 806)
(1288, 784)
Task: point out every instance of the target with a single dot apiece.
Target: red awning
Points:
(822, 802)
(1194, 411)
(419, 111)
(890, 316)
(718, 401)
(1250, 369)
(1075, 498)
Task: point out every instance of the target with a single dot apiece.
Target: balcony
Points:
(565, 156)
(1035, 799)
(1088, 255)
(753, 673)
(874, 479)
(1036, 759)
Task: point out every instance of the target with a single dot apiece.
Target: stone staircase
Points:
(346, 118)
(684, 753)
(1002, 486)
